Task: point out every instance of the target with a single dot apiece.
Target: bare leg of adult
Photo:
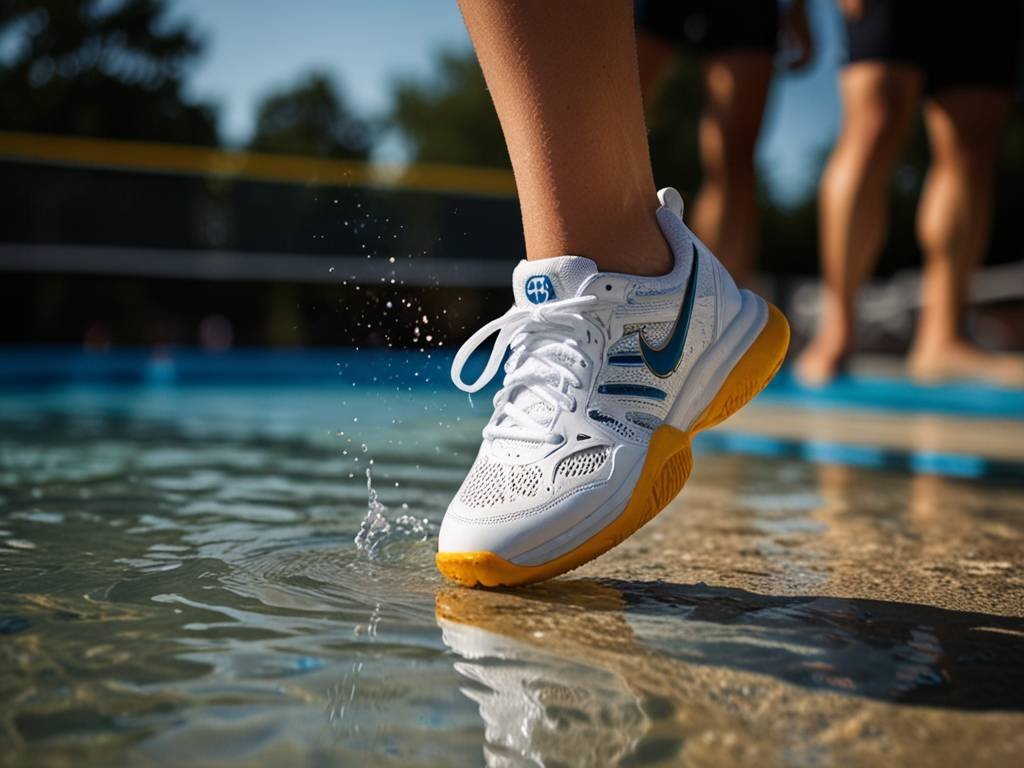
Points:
(953, 223)
(725, 215)
(564, 81)
(879, 103)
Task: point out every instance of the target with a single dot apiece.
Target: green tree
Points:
(448, 117)
(97, 68)
(310, 117)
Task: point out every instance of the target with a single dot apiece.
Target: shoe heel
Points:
(751, 374)
(666, 469)
(669, 454)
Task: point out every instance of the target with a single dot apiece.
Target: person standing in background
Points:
(963, 61)
(735, 42)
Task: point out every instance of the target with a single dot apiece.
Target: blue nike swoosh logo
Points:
(662, 361)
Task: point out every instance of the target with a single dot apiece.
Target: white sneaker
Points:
(609, 378)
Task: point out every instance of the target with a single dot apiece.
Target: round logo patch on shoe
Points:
(539, 289)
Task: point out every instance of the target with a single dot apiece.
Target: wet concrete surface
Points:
(777, 613)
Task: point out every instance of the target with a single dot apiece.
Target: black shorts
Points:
(712, 26)
(954, 43)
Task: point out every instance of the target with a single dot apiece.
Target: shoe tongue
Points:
(536, 282)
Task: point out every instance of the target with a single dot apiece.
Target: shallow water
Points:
(203, 575)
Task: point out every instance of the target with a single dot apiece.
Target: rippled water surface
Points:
(203, 576)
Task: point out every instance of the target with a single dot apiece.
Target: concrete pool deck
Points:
(834, 617)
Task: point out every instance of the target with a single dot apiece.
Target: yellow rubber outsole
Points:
(665, 471)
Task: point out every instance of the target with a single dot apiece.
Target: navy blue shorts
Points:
(708, 27)
(953, 43)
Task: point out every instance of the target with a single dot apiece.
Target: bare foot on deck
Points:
(821, 361)
(962, 360)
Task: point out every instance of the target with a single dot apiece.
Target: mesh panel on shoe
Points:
(625, 344)
(517, 449)
(522, 481)
(485, 485)
(637, 375)
(572, 272)
(654, 334)
(616, 426)
(657, 334)
(644, 420)
(584, 462)
(490, 483)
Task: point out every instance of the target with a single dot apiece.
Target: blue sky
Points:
(256, 45)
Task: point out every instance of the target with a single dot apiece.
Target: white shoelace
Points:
(538, 336)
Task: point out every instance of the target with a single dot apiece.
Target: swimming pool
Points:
(238, 570)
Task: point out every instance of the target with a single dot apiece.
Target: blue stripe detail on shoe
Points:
(626, 361)
(632, 390)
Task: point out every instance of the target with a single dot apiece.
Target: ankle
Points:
(632, 244)
(836, 324)
(930, 345)
(648, 255)
(638, 247)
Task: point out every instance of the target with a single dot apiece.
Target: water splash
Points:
(375, 526)
(376, 530)
(369, 629)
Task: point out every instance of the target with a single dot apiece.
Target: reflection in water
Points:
(179, 582)
(183, 583)
(541, 707)
(537, 653)
(538, 704)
